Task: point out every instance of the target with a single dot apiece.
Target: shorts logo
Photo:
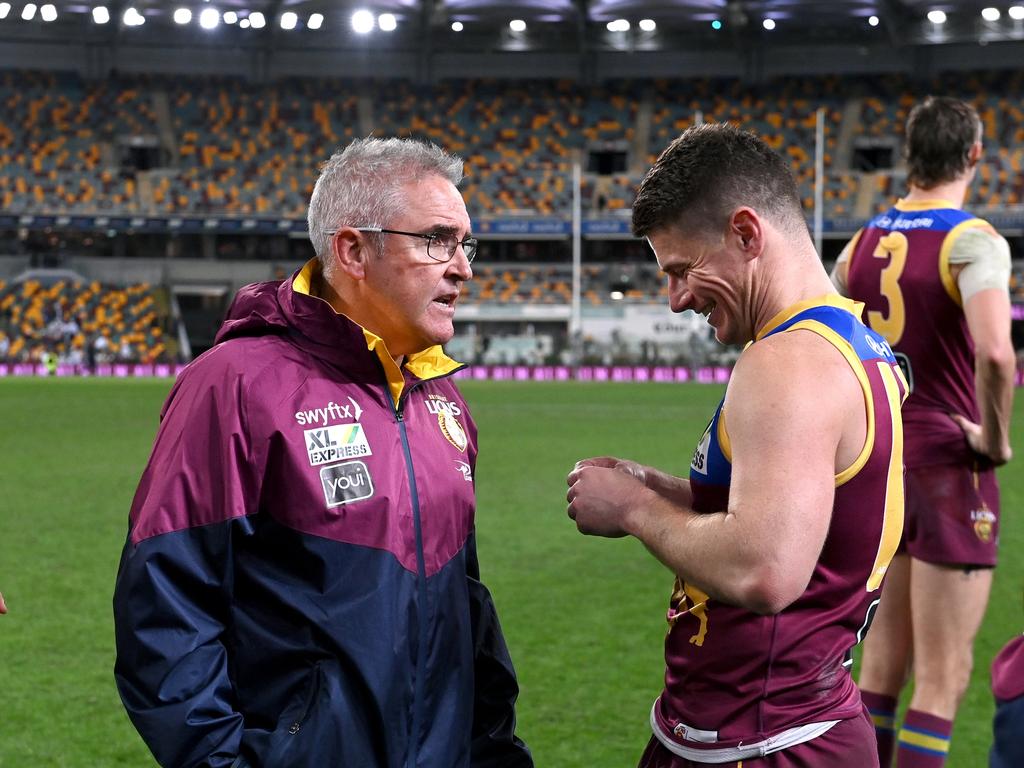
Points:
(452, 430)
(344, 483)
(699, 463)
(340, 441)
(984, 521)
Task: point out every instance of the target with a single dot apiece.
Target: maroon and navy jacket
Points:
(899, 268)
(740, 685)
(300, 583)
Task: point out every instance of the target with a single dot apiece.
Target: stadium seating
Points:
(82, 322)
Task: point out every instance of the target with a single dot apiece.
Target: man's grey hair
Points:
(361, 186)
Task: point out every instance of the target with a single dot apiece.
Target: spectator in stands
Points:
(934, 280)
(300, 582)
(781, 535)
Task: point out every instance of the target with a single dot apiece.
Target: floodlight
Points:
(230, 17)
(182, 16)
(132, 18)
(1016, 12)
(48, 12)
(619, 25)
(288, 20)
(648, 25)
(316, 21)
(937, 17)
(244, 24)
(768, 24)
(363, 22)
(873, 21)
(387, 22)
(100, 14)
(990, 14)
(5, 9)
(517, 25)
(28, 12)
(456, 26)
(209, 18)
(257, 20)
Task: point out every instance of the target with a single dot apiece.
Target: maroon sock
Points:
(882, 709)
(923, 741)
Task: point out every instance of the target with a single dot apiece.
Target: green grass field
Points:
(584, 617)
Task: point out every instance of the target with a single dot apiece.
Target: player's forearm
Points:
(716, 553)
(994, 377)
(674, 489)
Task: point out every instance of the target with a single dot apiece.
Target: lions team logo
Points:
(452, 430)
(984, 522)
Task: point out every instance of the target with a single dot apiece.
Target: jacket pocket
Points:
(291, 745)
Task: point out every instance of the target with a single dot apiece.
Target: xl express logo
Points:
(336, 442)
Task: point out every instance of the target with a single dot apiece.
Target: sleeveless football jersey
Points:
(739, 684)
(899, 268)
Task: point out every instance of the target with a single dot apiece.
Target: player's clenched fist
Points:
(603, 493)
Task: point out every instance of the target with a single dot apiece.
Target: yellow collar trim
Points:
(428, 364)
(828, 300)
(923, 205)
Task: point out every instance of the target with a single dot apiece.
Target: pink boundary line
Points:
(599, 373)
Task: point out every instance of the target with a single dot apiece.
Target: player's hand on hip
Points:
(976, 440)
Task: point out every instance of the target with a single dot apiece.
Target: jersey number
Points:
(893, 247)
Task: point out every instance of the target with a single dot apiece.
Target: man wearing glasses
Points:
(300, 583)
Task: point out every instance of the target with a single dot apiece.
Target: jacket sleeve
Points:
(173, 592)
(494, 743)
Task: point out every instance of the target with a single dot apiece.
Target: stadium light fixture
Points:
(618, 25)
(1016, 12)
(873, 21)
(937, 17)
(48, 12)
(648, 25)
(209, 18)
(457, 26)
(230, 17)
(28, 12)
(257, 20)
(288, 20)
(182, 16)
(363, 22)
(716, 24)
(244, 24)
(316, 21)
(387, 22)
(768, 24)
(990, 14)
(5, 9)
(517, 25)
(132, 18)
(100, 14)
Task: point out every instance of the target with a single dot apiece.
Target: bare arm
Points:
(785, 434)
(988, 320)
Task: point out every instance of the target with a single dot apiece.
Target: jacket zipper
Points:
(296, 726)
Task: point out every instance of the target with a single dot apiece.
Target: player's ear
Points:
(974, 154)
(746, 229)
(351, 250)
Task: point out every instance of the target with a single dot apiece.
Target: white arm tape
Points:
(986, 262)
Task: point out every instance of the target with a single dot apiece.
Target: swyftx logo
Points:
(344, 483)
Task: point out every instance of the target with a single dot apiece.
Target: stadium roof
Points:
(423, 29)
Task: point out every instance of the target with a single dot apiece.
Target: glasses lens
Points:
(469, 248)
(441, 247)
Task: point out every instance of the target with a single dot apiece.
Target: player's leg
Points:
(948, 605)
(951, 577)
(885, 663)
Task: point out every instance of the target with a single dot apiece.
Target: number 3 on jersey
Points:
(893, 247)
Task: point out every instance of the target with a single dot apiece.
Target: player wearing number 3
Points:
(934, 280)
(781, 535)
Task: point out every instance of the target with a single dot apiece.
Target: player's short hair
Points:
(361, 186)
(940, 134)
(707, 173)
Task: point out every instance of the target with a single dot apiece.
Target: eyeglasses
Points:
(440, 245)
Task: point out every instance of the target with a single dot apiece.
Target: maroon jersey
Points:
(738, 684)
(899, 268)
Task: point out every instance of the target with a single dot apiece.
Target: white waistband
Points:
(788, 738)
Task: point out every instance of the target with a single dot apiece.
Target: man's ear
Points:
(747, 230)
(974, 154)
(350, 251)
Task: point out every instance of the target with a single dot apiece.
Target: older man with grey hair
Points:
(300, 583)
